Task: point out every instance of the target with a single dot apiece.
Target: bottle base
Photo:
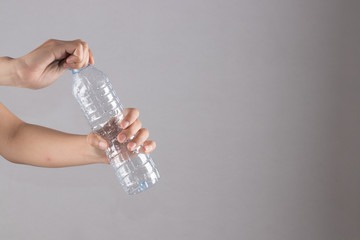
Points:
(143, 186)
(136, 175)
(134, 184)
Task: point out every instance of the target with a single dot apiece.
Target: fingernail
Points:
(125, 124)
(132, 145)
(122, 138)
(102, 145)
(148, 148)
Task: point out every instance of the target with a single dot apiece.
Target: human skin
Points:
(30, 144)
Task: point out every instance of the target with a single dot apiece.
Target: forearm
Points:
(8, 72)
(44, 147)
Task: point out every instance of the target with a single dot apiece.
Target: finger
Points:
(71, 46)
(139, 139)
(77, 54)
(97, 141)
(85, 60)
(91, 58)
(81, 60)
(76, 49)
(72, 51)
(149, 146)
(125, 134)
(131, 115)
(64, 64)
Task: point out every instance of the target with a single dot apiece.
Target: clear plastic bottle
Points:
(104, 112)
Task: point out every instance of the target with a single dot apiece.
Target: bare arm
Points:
(39, 146)
(8, 72)
(45, 64)
(30, 144)
(25, 143)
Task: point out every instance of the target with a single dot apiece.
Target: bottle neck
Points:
(74, 71)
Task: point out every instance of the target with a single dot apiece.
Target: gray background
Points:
(254, 106)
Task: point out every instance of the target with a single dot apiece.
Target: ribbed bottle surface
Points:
(104, 112)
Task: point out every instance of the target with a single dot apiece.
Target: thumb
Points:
(96, 141)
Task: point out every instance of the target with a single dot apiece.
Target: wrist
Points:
(17, 66)
(9, 72)
(14, 68)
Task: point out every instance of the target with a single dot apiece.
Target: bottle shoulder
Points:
(90, 76)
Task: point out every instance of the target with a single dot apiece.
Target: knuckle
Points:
(142, 135)
(133, 112)
(138, 123)
(79, 45)
(145, 131)
(85, 44)
(129, 110)
(50, 42)
(136, 111)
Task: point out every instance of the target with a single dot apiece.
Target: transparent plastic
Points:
(103, 110)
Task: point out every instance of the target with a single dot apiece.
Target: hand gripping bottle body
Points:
(104, 112)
